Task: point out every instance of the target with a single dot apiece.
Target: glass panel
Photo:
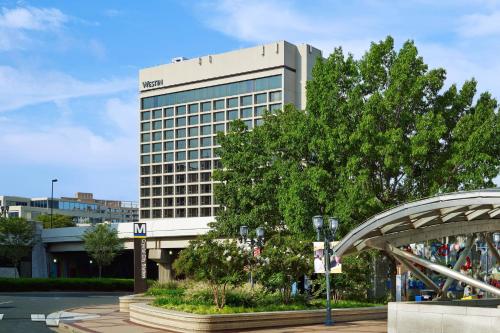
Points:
(193, 143)
(145, 149)
(156, 136)
(181, 110)
(219, 104)
(156, 114)
(193, 155)
(168, 135)
(206, 153)
(180, 121)
(232, 102)
(205, 118)
(180, 133)
(145, 115)
(168, 157)
(193, 131)
(157, 158)
(156, 147)
(219, 128)
(157, 125)
(246, 113)
(258, 122)
(232, 114)
(180, 144)
(145, 159)
(219, 116)
(146, 137)
(145, 126)
(180, 156)
(193, 108)
(193, 120)
(274, 107)
(260, 98)
(169, 145)
(205, 130)
(275, 96)
(249, 124)
(169, 123)
(206, 165)
(207, 106)
(193, 166)
(246, 100)
(206, 142)
(259, 111)
(169, 112)
(180, 167)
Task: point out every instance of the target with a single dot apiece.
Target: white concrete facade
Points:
(185, 104)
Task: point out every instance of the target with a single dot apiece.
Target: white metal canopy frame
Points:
(453, 214)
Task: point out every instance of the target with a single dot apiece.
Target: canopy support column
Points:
(459, 263)
(421, 276)
(443, 270)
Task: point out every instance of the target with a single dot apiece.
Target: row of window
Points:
(205, 200)
(177, 190)
(207, 118)
(195, 131)
(274, 96)
(179, 212)
(179, 179)
(179, 156)
(219, 91)
(180, 167)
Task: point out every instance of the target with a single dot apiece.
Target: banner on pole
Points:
(319, 259)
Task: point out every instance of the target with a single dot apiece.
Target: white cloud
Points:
(477, 25)
(27, 87)
(32, 18)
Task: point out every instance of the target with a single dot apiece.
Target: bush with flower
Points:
(220, 263)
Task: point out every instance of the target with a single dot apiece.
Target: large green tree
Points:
(377, 132)
(102, 244)
(58, 221)
(16, 239)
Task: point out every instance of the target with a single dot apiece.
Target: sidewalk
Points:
(110, 320)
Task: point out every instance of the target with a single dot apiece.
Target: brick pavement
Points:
(110, 320)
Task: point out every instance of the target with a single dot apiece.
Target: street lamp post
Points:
(259, 241)
(52, 200)
(329, 235)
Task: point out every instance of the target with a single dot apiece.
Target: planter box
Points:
(125, 301)
(176, 321)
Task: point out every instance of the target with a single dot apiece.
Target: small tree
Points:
(58, 221)
(16, 239)
(219, 263)
(102, 244)
(285, 259)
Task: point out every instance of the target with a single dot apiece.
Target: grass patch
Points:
(65, 284)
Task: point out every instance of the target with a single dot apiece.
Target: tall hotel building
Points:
(185, 103)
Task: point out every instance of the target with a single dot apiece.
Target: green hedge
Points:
(65, 284)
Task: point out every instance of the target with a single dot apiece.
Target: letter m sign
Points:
(139, 230)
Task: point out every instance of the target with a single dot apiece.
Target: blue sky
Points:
(68, 69)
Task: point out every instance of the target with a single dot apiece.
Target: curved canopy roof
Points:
(444, 215)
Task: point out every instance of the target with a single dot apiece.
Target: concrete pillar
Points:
(164, 260)
(39, 266)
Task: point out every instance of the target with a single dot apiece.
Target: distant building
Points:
(83, 208)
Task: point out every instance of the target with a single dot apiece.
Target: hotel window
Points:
(156, 213)
(219, 116)
(246, 100)
(246, 113)
(205, 176)
(168, 135)
(180, 156)
(145, 115)
(193, 143)
(156, 191)
(169, 123)
(232, 102)
(205, 188)
(180, 167)
(169, 145)
(156, 114)
(206, 200)
(260, 98)
(145, 170)
(192, 212)
(180, 179)
(217, 164)
(193, 120)
(181, 110)
(192, 201)
(180, 133)
(259, 122)
(206, 130)
(145, 149)
(168, 157)
(205, 212)
(168, 213)
(275, 96)
(219, 128)
(206, 142)
(192, 166)
(205, 153)
(193, 108)
(156, 169)
(156, 147)
(156, 180)
(205, 118)
(180, 212)
(179, 190)
(145, 126)
(145, 214)
(180, 201)
(259, 111)
(219, 104)
(206, 165)
(156, 136)
(274, 107)
(192, 189)
(156, 202)
(180, 121)
(145, 181)
(232, 114)
(193, 131)
(157, 158)
(168, 190)
(192, 177)
(146, 137)
(145, 203)
(145, 192)
(169, 168)
(192, 155)
(168, 202)
(180, 144)
(249, 124)
(206, 106)
(169, 112)
(168, 180)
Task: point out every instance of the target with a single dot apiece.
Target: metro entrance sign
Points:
(140, 258)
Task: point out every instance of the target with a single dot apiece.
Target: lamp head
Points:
(244, 231)
(334, 224)
(260, 232)
(318, 222)
(54, 180)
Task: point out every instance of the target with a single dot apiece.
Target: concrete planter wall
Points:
(419, 318)
(125, 301)
(175, 321)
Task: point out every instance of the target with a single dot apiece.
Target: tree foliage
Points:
(102, 244)
(220, 263)
(58, 221)
(16, 239)
(377, 132)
